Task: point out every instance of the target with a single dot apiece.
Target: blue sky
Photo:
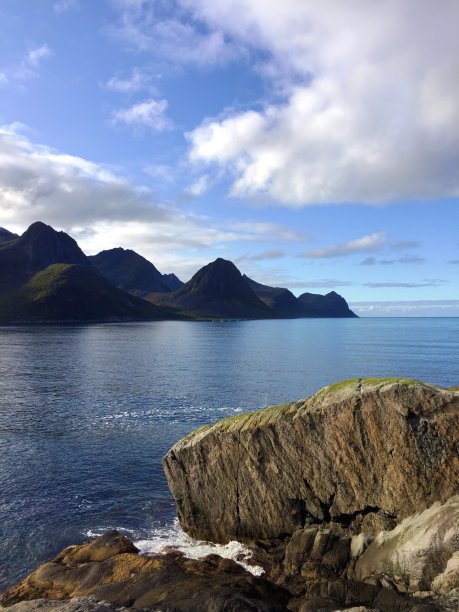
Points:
(314, 144)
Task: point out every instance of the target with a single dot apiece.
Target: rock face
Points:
(110, 569)
(363, 454)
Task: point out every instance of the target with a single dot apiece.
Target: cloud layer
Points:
(369, 111)
(371, 242)
(102, 209)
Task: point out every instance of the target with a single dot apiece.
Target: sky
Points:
(315, 144)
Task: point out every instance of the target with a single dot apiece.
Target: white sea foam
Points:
(159, 540)
(173, 536)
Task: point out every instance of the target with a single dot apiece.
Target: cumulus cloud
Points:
(371, 242)
(370, 107)
(149, 114)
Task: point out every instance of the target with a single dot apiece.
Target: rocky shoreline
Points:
(347, 500)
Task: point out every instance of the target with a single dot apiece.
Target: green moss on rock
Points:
(252, 420)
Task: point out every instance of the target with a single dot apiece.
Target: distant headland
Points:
(46, 277)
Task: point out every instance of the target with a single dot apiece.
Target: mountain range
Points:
(46, 277)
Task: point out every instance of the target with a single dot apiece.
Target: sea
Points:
(87, 412)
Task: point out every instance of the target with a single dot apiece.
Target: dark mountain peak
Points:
(6, 235)
(216, 290)
(43, 246)
(39, 226)
(129, 271)
(220, 279)
(172, 281)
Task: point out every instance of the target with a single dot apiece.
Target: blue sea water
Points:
(87, 412)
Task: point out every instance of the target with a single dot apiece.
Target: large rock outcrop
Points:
(364, 454)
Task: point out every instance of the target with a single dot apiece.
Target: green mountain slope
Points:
(66, 292)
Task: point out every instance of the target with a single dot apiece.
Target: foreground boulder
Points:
(109, 569)
(363, 454)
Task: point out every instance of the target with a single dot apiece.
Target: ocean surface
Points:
(87, 412)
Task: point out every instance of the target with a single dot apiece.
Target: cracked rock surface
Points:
(363, 454)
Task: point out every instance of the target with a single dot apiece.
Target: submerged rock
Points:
(363, 454)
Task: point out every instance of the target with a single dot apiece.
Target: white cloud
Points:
(149, 114)
(370, 107)
(199, 186)
(265, 229)
(28, 68)
(135, 83)
(37, 55)
(371, 242)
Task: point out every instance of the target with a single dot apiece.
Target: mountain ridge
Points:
(217, 290)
